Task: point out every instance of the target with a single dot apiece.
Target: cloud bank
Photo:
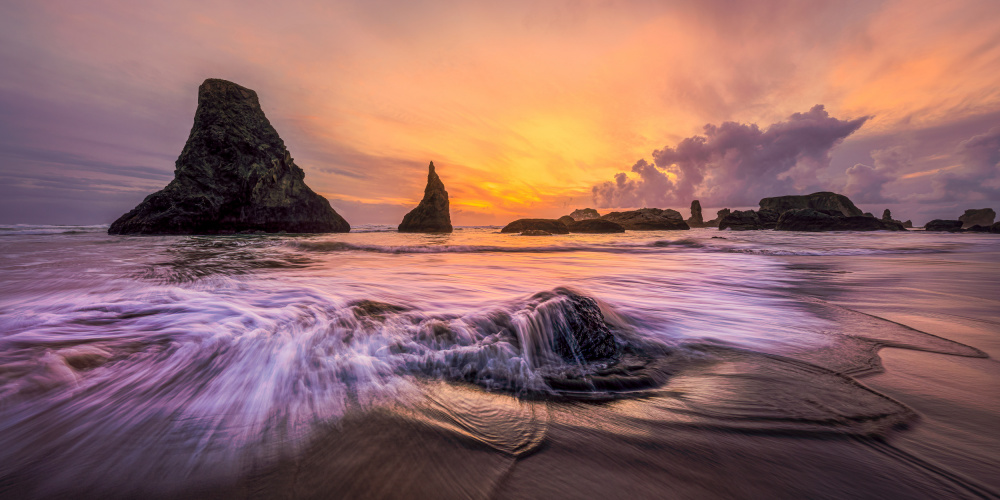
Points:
(733, 164)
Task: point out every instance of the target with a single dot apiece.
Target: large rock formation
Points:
(823, 200)
(807, 219)
(584, 214)
(746, 220)
(695, 220)
(595, 226)
(648, 219)
(566, 220)
(721, 214)
(432, 214)
(234, 175)
(552, 226)
(886, 215)
(978, 217)
(951, 226)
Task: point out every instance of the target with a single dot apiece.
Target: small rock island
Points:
(432, 215)
(233, 176)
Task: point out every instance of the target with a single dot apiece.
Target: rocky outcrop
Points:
(584, 214)
(595, 226)
(548, 225)
(747, 220)
(695, 220)
(886, 215)
(823, 200)
(580, 334)
(807, 219)
(648, 219)
(951, 226)
(978, 217)
(567, 220)
(234, 175)
(721, 214)
(908, 224)
(432, 215)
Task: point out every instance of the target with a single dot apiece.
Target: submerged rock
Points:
(982, 217)
(748, 220)
(823, 200)
(807, 219)
(648, 219)
(595, 226)
(695, 220)
(234, 175)
(432, 215)
(579, 332)
(585, 214)
(951, 226)
(549, 225)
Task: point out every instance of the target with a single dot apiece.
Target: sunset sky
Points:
(527, 108)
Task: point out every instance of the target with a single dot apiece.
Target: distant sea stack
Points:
(234, 175)
(585, 214)
(978, 217)
(823, 200)
(432, 215)
(696, 219)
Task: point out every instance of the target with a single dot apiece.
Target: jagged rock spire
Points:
(432, 215)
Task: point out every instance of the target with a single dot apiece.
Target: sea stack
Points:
(234, 175)
(432, 215)
(696, 219)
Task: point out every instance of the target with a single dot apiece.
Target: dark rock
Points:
(695, 220)
(579, 332)
(584, 214)
(374, 309)
(995, 228)
(432, 215)
(908, 224)
(648, 219)
(982, 216)
(952, 226)
(823, 200)
(746, 220)
(535, 232)
(721, 214)
(886, 215)
(595, 226)
(549, 225)
(567, 220)
(807, 219)
(234, 175)
(978, 229)
(869, 214)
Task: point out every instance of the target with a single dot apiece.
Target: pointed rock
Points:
(696, 218)
(234, 175)
(432, 215)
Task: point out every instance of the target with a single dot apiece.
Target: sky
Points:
(527, 108)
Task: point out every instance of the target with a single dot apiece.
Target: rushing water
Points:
(233, 366)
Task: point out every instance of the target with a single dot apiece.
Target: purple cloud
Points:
(734, 163)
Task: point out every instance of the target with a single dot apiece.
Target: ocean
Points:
(375, 364)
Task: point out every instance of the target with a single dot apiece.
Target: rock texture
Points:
(908, 224)
(552, 226)
(567, 220)
(580, 334)
(234, 175)
(584, 214)
(978, 217)
(807, 219)
(648, 219)
(952, 226)
(432, 215)
(595, 226)
(721, 214)
(823, 200)
(886, 215)
(535, 232)
(695, 220)
(747, 220)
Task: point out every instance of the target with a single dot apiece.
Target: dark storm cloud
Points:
(733, 163)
